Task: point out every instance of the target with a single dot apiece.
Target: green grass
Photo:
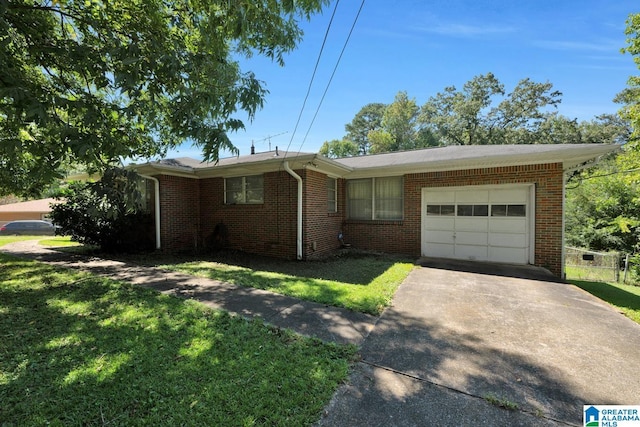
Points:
(364, 283)
(57, 241)
(625, 298)
(590, 273)
(82, 350)
(501, 402)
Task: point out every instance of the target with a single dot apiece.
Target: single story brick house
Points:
(501, 203)
(32, 209)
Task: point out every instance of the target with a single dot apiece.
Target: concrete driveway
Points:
(458, 333)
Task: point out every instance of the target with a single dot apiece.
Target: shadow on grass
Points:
(612, 294)
(81, 350)
(347, 267)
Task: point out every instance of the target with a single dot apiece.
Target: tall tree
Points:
(399, 129)
(630, 97)
(457, 117)
(91, 82)
(368, 119)
(470, 117)
(339, 148)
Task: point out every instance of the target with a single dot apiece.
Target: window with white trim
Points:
(375, 198)
(244, 190)
(332, 195)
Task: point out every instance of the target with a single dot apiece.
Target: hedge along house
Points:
(500, 203)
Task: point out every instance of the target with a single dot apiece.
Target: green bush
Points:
(108, 213)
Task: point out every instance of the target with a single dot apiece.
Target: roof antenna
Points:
(277, 154)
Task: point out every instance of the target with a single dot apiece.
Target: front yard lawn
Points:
(359, 282)
(77, 349)
(625, 298)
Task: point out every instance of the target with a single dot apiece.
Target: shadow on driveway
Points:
(515, 335)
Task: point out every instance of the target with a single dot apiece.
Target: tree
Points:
(603, 205)
(108, 213)
(399, 128)
(468, 117)
(457, 117)
(339, 148)
(91, 82)
(630, 97)
(368, 119)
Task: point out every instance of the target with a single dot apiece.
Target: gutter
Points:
(156, 198)
(299, 233)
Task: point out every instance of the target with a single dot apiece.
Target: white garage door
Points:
(478, 223)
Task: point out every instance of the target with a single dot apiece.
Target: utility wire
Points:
(332, 74)
(304, 103)
(602, 175)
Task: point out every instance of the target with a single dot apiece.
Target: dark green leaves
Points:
(91, 82)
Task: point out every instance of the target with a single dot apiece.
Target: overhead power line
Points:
(315, 69)
(332, 74)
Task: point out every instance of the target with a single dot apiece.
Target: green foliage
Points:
(368, 119)
(603, 205)
(630, 97)
(82, 350)
(339, 148)
(90, 82)
(470, 116)
(108, 213)
(624, 297)
(481, 113)
(399, 129)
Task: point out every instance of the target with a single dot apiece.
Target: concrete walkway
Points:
(457, 336)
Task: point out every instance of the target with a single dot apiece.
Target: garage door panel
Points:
(439, 223)
(471, 196)
(508, 240)
(471, 238)
(478, 253)
(441, 236)
(440, 250)
(508, 225)
(503, 236)
(509, 255)
(508, 196)
(441, 197)
(471, 224)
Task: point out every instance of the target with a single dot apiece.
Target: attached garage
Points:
(484, 223)
(500, 203)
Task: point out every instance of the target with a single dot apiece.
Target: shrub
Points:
(109, 213)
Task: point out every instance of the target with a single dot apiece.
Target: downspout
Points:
(156, 198)
(299, 234)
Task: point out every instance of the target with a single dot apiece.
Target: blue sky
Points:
(422, 46)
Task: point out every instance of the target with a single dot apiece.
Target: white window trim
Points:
(244, 191)
(335, 193)
(373, 200)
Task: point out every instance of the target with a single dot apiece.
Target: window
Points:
(375, 198)
(332, 195)
(244, 190)
(508, 210)
(442, 210)
(473, 210)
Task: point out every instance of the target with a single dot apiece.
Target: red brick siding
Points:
(179, 213)
(267, 229)
(404, 236)
(320, 227)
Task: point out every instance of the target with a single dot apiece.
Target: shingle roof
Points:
(474, 157)
(396, 163)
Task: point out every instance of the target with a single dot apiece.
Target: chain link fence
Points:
(583, 264)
